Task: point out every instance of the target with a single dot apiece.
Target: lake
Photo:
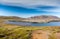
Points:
(35, 24)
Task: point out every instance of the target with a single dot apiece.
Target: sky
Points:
(28, 8)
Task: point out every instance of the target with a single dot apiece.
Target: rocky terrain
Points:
(35, 19)
(10, 31)
(42, 18)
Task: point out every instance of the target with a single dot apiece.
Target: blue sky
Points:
(28, 8)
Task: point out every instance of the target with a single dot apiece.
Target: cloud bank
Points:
(32, 6)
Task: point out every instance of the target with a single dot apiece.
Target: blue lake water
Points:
(35, 24)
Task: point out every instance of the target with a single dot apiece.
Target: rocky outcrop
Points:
(35, 19)
(42, 19)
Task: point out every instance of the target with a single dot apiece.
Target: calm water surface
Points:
(35, 24)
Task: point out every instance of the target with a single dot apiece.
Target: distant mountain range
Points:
(39, 19)
(42, 18)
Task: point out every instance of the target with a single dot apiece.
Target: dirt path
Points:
(40, 34)
(58, 35)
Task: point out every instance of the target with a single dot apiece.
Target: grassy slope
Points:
(8, 31)
(23, 32)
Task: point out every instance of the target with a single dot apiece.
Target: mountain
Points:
(39, 19)
(42, 18)
(10, 17)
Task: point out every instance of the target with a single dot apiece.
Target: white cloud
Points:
(33, 3)
(56, 10)
(53, 11)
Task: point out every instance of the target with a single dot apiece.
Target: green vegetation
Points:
(9, 31)
(23, 32)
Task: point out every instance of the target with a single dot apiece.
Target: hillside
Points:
(29, 32)
(42, 18)
(39, 19)
(10, 31)
(10, 17)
